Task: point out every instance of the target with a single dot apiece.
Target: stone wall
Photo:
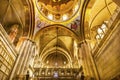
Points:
(108, 57)
(8, 55)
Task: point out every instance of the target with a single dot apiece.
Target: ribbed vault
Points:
(57, 41)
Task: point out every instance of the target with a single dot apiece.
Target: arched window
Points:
(101, 31)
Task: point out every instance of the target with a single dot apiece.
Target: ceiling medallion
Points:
(58, 10)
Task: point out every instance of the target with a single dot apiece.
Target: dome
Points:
(58, 10)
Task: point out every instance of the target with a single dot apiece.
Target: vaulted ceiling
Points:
(57, 26)
(56, 39)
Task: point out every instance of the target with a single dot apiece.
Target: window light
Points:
(76, 8)
(104, 27)
(50, 16)
(65, 17)
(99, 31)
(97, 37)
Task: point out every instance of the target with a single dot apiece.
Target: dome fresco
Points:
(58, 10)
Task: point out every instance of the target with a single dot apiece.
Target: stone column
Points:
(30, 58)
(25, 51)
(88, 64)
(26, 59)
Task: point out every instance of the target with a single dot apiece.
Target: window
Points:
(101, 31)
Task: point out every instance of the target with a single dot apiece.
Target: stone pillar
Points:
(88, 64)
(23, 56)
(21, 65)
(30, 57)
(28, 53)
